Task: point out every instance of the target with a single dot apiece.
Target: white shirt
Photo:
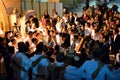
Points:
(58, 40)
(58, 26)
(118, 57)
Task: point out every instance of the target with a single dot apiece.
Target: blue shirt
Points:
(42, 66)
(73, 73)
(114, 75)
(22, 60)
(90, 66)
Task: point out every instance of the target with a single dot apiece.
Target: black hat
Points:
(71, 52)
(97, 52)
(60, 57)
(76, 61)
(76, 58)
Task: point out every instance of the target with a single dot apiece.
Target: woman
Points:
(47, 16)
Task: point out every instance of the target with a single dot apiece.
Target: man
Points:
(76, 20)
(71, 18)
(35, 20)
(117, 40)
(95, 69)
(40, 64)
(72, 72)
(20, 63)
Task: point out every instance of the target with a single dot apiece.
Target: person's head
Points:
(35, 41)
(15, 24)
(117, 22)
(8, 34)
(50, 52)
(21, 47)
(71, 13)
(58, 18)
(40, 47)
(34, 16)
(13, 41)
(18, 35)
(30, 18)
(57, 48)
(118, 28)
(60, 57)
(28, 23)
(54, 11)
(30, 34)
(104, 27)
(76, 37)
(27, 46)
(11, 50)
(97, 52)
(4, 42)
(75, 61)
(75, 15)
(45, 12)
(49, 38)
(43, 16)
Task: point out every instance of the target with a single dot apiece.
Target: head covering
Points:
(76, 61)
(60, 57)
(76, 58)
(97, 52)
(71, 52)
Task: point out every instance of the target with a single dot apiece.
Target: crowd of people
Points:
(70, 47)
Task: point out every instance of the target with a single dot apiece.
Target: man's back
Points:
(40, 70)
(90, 66)
(20, 65)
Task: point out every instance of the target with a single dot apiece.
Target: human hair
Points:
(1, 39)
(57, 48)
(21, 47)
(50, 52)
(97, 51)
(11, 50)
(60, 57)
(34, 40)
(39, 47)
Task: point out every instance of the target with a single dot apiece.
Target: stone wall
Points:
(6, 7)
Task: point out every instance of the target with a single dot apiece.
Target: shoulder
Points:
(19, 54)
(89, 63)
(35, 57)
(70, 68)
